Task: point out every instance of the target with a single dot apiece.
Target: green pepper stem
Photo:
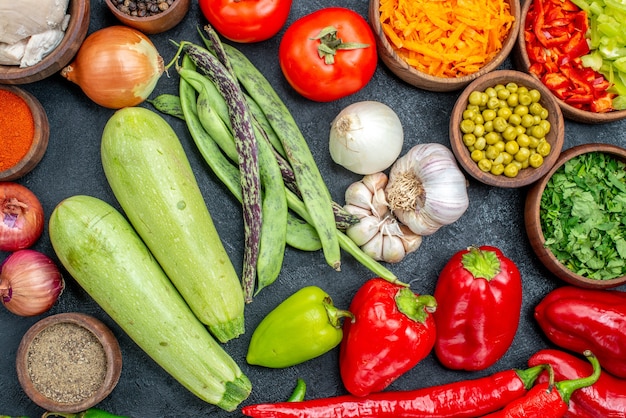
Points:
(567, 387)
(335, 314)
(529, 376)
(298, 392)
(415, 307)
(482, 264)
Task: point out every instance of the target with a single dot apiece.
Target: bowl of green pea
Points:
(506, 129)
(574, 216)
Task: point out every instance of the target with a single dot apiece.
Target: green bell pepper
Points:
(302, 327)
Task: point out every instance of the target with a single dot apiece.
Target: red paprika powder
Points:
(17, 129)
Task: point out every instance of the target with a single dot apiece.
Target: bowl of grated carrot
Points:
(443, 46)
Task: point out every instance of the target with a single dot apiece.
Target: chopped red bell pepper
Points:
(556, 38)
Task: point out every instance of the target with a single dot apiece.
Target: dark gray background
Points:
(72, 166)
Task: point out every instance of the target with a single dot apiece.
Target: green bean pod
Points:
(168, 104)
(315, 194)
(247, 150)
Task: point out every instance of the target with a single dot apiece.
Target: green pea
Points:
(475, 98)
(528, 120)
(492, 138)
(522, 154)
(515, 119)
(488, 126)
(512, 100)
(479, 130)
(493, 103)
(523, 141)
(520, 110)
(521, 130)
(543, 148)
(511, 147)
(510, 133)
(500, 145)
(499, 159)
(505, 112)
(467, 126)
(480, 143)
(469, 114)
(489, 114)
(525, 99)
(535, 95)
(537, 131)
(533, 142)
(544, 113)
(491, 92)
(491, 152)
(499, 124)
(506, 158)
(545, 124)
(484, 165)
(535, 160)
(477, 155)
(535, 108)
(497, 169)
(503, 93)
(512, 87)
(510, 170)
(469, 139)
(478, 119)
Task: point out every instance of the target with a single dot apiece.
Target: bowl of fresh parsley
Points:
(575, 216)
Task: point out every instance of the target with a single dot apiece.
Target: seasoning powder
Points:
(17, 129)
(66, 363)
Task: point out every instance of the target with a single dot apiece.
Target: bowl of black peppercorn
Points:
(149, 16)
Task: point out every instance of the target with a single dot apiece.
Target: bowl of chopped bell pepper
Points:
(575, 47)
(443, 46)
(573, 216)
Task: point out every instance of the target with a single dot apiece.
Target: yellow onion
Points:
(116, 67)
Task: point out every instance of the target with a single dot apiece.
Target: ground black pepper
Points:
(66, 363)
(142, 8)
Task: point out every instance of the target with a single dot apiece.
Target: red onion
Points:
(21, 217)
(30, 283)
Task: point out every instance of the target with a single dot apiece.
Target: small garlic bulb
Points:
(426, 189)
(378, 233)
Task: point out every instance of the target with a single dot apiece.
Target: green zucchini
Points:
(104, 254)
(149, 173)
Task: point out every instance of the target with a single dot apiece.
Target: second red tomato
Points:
(328, 54)
(246, 21)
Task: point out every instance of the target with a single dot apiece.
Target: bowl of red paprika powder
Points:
(24, 132)
(551, 52)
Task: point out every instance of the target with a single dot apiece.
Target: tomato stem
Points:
(330, 44)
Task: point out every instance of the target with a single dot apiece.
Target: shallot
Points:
(21, 217)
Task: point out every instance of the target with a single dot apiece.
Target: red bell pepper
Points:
(579, 319)
(392, 330)
(462, 399)
(479, 296)
(605, 398)
(556, 38)
(549, 399)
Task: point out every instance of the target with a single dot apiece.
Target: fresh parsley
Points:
(583, 215)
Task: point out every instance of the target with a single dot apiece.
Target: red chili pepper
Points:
(556, 38)
(549, 399)
(578, 319)
(464, 399)
(479, 295)
(605, 398)
(392, 330)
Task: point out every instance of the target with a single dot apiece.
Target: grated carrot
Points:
(446, 38)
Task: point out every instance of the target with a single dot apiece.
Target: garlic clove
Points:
(410, 240)
(358, 194)
(374, 247)
(364, 231)
(357, 211)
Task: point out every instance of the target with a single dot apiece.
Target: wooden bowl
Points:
(40, 138)
(555, 137)
(417, 78)
(522, 62)
(533, 221)
(74, 36)
(31, 350)
(157, 23)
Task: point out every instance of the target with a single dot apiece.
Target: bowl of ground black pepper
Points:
(68, 362)
(24, 132)
(149, 16)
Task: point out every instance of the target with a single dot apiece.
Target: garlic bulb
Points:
(378, 233)
(366, 137)
(426, 189)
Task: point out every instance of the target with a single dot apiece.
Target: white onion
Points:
(366, 137)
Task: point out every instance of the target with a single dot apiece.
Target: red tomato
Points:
(246, 21)
(316, 78)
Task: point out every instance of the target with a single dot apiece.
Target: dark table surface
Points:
(72, 166)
